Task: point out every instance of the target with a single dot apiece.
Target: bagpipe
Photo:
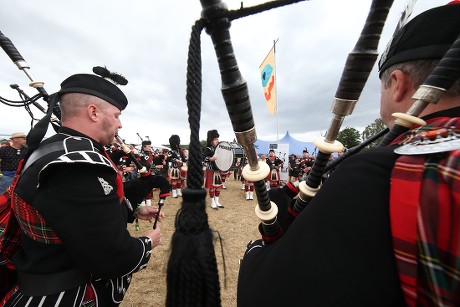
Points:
(357, 69)
(55, 113)
(216, 19)
(441, 79)
(198, 262)
(235, 93)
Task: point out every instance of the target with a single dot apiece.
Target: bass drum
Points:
(225, 156)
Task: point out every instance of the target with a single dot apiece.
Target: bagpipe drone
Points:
(216, 19)
(197, 260)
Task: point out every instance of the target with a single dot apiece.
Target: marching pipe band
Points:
(125, 148)
(160, 181)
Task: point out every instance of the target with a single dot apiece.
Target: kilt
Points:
(273, 176)
(213, 179)
(174, 173)
(72, 297)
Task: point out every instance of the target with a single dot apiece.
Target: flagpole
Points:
(276, 106)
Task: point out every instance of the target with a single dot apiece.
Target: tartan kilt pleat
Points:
(213, 179)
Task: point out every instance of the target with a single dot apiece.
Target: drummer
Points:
(213, 180)
(275, 164)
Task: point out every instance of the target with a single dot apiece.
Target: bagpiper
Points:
(175, 160)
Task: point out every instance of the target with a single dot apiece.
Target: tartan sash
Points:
(425, 221)
(10, 236)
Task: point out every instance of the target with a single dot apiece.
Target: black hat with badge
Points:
(427, 36)
(97, 85)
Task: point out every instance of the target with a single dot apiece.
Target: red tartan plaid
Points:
(10, 237)
(33, 224)
(425, 221)
(209, 176)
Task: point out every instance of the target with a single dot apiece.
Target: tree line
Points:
(351, 137)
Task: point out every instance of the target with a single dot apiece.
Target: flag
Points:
(267, 71)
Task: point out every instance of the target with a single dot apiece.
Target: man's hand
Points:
(148, 213)
(154, 235)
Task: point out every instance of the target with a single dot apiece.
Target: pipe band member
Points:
(275, 164)
(213, 180)
(175, 160)
(73, 207)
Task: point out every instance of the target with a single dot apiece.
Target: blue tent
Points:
(295, 146)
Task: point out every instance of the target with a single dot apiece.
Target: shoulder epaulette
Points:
(79, 150)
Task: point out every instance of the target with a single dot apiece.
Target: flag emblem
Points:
(267, 74)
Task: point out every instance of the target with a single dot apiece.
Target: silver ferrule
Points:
(247, 139)
(343, 107)
(340, 108)
(428, 93)
(21, 64)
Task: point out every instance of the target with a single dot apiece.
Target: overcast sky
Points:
(147, 42)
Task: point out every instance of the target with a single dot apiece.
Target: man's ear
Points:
(93, 112)
(401, 85)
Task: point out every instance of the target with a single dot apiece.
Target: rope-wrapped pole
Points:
(236, 97)
(357, 69)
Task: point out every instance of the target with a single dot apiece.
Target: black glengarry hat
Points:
(174, 141)
(428, 36)
(96, 86)
(211, 135)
